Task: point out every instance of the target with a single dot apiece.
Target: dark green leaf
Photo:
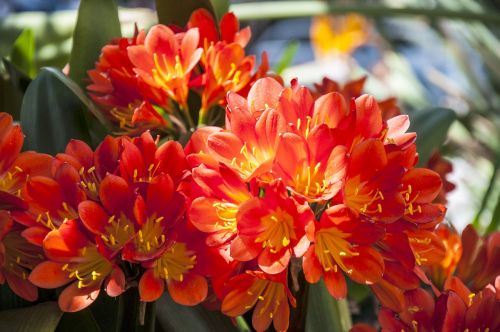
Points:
(178, 12)
(10, 98)
(97, 24)
(323, 310)
(221, 7)
(18, 78)
(42, 317)
(287, 57)
(431, 127)
(174, 317)
(81, 321)
(52, 114)
(9, 300)
(22, 54)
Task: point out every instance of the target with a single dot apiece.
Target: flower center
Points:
(410, 197)
(164, 72)
(270, 293)
(278, 231)
(20, 255)
(118, 232)
(151, 236)
(310, 181)
(249, 160)
(11, 181)
(331, 248)
(90, 182)
(89, 268)
(175, 262)
(362, 198)
(226, 212)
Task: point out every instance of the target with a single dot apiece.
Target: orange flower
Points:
(312, 167)
(222, 192)
(342, 243)
(248, 145)
(74, 259)
(373, 191)
(271, 229)
(268, 293)
(166, 60)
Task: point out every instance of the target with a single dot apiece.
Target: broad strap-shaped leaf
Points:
(97, 24)
(52, 114)
(42, 317)
(324, 312)
(431, 127)
(177, 318)
(178, 12)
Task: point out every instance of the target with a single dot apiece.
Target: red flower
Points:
(343, 243)
(229, 28)
(268, 293)
(166, 60)
(52, 201)
(16, 167)
(74, 259)
(271, 228)
(92, 166)
(177, 268)
(141, 160)
(17, 258)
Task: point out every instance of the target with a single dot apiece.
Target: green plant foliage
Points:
(22, 54)
(97, 24)
(431, 127)
(51, 114)
(174, 317)
(495, 218)
(287, 57)
(81, 321)
(178, 12)
(43, 317)
(221, 7)
(324, 311)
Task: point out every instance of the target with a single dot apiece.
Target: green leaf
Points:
(178, 12)
(487, 193)
(22, 54)
(51, 114)
(97, 24)
(287, 57)
(221, 7)
(495, 219)
(174, 317)
(431, 127)
(323, 310)
(81, 321)
(42, 317)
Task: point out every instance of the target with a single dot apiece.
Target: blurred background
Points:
(426, 53)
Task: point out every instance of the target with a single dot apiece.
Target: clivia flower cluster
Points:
(322, 182)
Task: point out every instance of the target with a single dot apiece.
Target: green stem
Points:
(187, 115)
(268, 10)
(241, 324)
(134, 315)
(202, 118)
(323, 310)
